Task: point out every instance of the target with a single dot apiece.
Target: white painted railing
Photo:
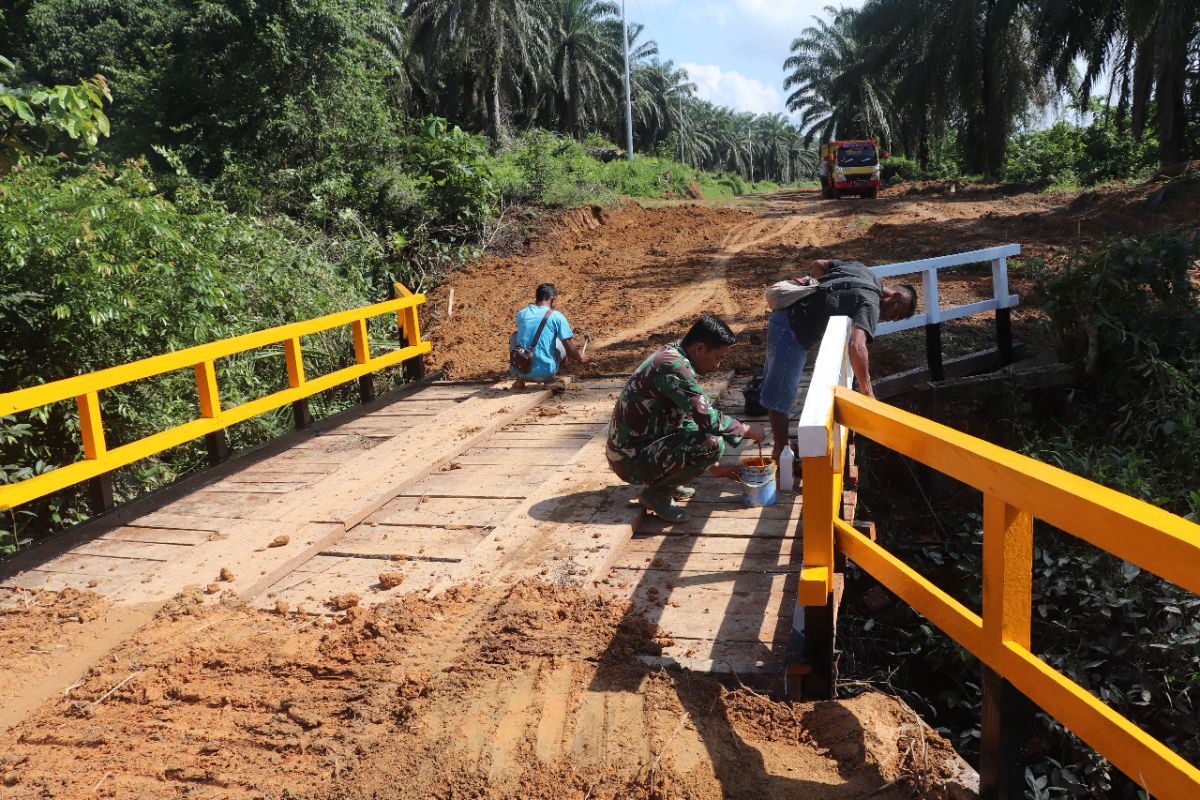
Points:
(816, 430)
(932, 312)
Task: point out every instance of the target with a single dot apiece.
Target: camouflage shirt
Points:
(663, 396)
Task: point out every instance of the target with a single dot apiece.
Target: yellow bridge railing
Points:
(98, 459)
(1016, 489)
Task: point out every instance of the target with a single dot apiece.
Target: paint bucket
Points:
(758, 481)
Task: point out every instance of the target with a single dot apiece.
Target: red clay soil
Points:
(639, 276)
(532, 692)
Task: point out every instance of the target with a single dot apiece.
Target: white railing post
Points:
(820, 448)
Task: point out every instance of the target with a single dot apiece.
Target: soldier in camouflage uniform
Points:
(665, 431)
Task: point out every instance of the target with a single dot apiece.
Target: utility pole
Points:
(628, 103)
(681, 158)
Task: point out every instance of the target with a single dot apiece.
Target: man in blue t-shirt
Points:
(553, 345)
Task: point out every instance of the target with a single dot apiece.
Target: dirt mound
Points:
(612, 269)
(535, 691)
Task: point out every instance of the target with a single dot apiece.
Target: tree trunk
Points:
(995, 126)
(575, 123)
(497, 120)
(1143, 82)
(1171, 88)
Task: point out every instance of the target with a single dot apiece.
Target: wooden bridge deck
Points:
(454, 483)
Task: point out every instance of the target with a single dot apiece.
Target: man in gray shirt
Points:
(848, 288)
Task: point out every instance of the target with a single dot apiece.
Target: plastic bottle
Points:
(787, 465)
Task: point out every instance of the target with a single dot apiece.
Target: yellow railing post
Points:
(362, 355)
(91, 426)
(301, 415)
(91, 430)
(817, 513)
(1007, 571)
(410, 333)
(1007, 605)
(210, 408)
(206, 386)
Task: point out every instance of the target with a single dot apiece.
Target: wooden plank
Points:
(279, 474)
(390, 540)
(730, 546)
(541, 457)
(473, 485)
(220, 505)
(58, 581)
(745, 593)
(256, 487)
(677, 561)
(173, 536)
(99, 565)
(122, 548)
(185, 522)
(717, 623)
(443, 512)
(717, 525)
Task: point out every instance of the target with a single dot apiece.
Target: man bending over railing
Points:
(847, 288)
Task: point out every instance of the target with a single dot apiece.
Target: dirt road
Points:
(635, 277)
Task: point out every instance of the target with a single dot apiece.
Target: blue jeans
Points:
(784, 366)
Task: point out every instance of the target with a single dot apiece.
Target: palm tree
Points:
(585, 60)
(974, 58)
(496, 44)
(658, 90)
(1145, 45)
(833, 93)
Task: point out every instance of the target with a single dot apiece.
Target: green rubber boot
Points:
(658, 502)
(672, 488)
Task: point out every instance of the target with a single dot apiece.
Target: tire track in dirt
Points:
(711, 283)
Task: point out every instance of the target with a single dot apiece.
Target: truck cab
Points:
(850, 167)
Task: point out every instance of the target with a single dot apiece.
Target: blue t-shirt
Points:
(545, 355)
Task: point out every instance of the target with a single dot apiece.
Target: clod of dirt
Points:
(212, 588)
(93, 583)
(341, 602)
(281, 607)
(216, 537)
(279, 541)
(301, 716)
(11, 779)
(390, 580)
(226, 574)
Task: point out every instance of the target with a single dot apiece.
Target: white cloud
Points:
(733, 89)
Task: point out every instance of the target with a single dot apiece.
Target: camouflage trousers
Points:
(687, 448)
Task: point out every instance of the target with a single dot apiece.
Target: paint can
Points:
(758, 481)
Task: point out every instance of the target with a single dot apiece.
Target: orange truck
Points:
(850, 167)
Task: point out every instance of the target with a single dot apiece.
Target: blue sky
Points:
(733, 50)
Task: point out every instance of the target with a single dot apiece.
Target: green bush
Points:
(899, 168)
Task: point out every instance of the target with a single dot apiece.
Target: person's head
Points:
(707, 343)
(546, 293)
(898, 301)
